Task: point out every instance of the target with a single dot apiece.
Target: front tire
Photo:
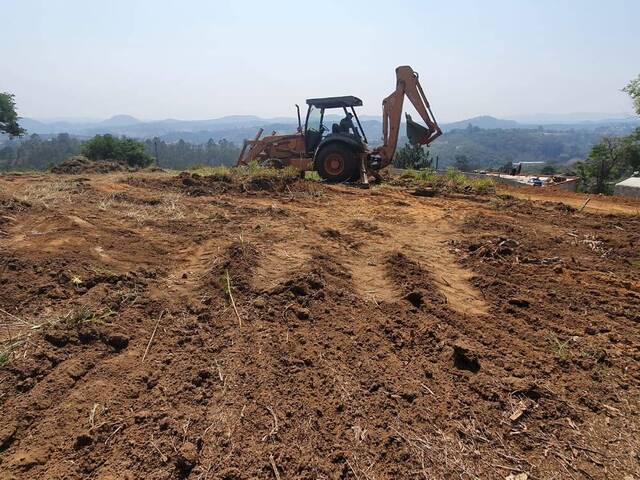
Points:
(336, 163)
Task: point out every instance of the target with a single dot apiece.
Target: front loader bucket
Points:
(416, 133)
(241, 158)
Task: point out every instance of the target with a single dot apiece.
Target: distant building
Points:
(556, 181)
(526, 168)
(628, 188)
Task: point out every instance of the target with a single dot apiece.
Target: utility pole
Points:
(155, 147)
(437, 160)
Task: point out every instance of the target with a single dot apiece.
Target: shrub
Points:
(453, 181)
(412, 157)
(108, 147)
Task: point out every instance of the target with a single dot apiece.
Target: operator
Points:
(346, 124)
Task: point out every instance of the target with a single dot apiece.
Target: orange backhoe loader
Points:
(341, 153)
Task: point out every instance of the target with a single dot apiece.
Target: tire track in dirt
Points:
(193, 263)
(374, 233)
(278, 264)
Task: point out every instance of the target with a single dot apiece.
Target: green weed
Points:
(453, 180)
(245, 172)
(85, 314)
(206, 171)
(312, 175)
(559, 348)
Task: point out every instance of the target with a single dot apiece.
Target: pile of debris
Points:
(79, 164)
(196, 185)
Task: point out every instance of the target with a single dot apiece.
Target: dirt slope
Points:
(377, 335)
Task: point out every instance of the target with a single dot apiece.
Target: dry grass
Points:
(49, 193)
(170, 206)
(16, 332)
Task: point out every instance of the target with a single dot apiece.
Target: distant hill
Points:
(571, 118)
(236, 128)
(484, 121)
(235, 125)
(119, 121)
(484, 141)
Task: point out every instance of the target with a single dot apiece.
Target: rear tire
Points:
(336, 163)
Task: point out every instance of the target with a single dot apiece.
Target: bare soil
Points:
(165, 327)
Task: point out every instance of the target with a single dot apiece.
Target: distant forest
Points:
(480, 148)
(38, 153)
(492, 148)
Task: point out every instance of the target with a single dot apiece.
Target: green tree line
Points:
(181, 154)
(37, 153)
(479, 148)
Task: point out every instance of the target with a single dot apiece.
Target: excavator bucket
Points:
(416, 133)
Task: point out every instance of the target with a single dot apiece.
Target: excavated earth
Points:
(179, 327)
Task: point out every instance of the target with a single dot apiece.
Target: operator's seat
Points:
(335, 128)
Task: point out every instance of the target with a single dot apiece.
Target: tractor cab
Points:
(317, 130)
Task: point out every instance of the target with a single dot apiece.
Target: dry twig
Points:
(274, 429)
(151, 339)
(584, 205)
(275, 468)
(233, 303)
(106, 442)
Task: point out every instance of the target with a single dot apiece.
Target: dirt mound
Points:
(417, 284)
(10, 204)
(79, 165)
(9, 208)
(197, 185)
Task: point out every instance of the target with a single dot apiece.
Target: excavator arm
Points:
(407, 83)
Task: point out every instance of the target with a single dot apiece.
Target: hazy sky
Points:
(196, 59)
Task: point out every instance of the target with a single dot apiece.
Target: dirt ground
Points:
(164, 327)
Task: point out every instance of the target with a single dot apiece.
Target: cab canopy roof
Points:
(335, 102)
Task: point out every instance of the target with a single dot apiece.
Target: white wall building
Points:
(628, 188)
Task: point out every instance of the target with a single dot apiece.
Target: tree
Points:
(412, 156)
(37, 153)
(181, 154)
(612, 158)
(108, 147)
(462, 163)
(8, 116)
(548, 169)
(632, 153)
(633, 89)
